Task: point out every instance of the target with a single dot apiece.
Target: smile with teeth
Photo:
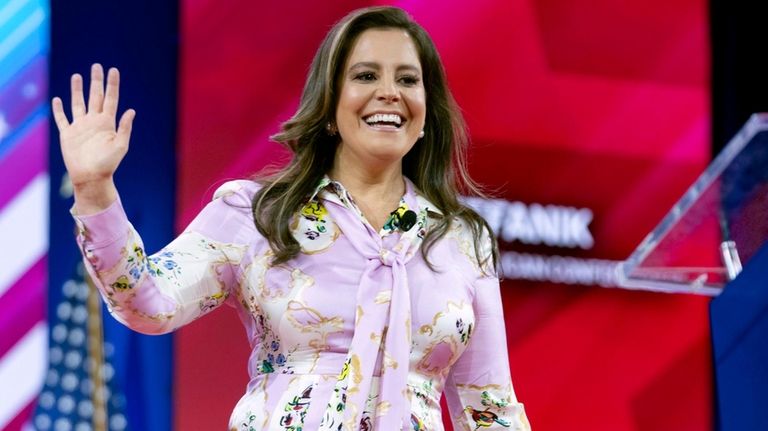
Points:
(385, 121)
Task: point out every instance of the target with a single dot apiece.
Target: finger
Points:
(78, 102)
(113, 91)
(124, 128)
(57, 107)
(96, 95)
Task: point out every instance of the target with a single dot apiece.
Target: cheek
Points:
(418, 104)
(350, 102)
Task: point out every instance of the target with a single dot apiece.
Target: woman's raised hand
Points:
(91, 145)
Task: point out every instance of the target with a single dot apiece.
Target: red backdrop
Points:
(596, 106)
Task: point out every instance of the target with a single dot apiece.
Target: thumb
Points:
(124, 128)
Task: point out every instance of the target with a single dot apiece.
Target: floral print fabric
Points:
(354, 333)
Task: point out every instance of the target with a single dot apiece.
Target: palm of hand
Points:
(89, 148)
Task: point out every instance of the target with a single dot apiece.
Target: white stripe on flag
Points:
(10, 10)
(24, 29)
(21, 372)
(23, 231)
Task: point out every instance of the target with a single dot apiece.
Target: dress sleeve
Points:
(155, 294)
(479, 390)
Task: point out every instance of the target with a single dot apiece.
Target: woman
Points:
(365, 287)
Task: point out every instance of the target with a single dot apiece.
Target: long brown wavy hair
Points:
(436, 164)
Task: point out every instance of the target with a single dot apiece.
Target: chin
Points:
(390, 150)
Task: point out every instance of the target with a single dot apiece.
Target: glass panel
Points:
(728, 204)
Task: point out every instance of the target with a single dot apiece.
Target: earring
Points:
(330, 128)
(421, 134)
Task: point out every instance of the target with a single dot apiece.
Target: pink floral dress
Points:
(354, 333)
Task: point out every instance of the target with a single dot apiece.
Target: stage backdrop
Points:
(588, 118)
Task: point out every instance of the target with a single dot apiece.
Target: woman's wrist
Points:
(94, 196)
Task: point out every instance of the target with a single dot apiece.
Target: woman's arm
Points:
(194, 274)
(479, 390)
(151, 294)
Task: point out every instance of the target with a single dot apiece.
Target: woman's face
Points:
(382, 104)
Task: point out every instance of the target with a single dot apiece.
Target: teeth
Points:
(384, 118)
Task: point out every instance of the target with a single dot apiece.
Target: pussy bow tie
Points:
(382, 330)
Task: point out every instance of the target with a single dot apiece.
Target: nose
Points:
(387, 90)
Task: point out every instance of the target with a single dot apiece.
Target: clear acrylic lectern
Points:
(715, 227)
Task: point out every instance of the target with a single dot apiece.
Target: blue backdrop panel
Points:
(739, 319)
(140, 38)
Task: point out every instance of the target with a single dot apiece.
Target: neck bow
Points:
(382, 338)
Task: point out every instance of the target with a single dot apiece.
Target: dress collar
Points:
(331, 190)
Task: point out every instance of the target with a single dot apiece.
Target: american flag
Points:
(79, 393)
(24, 188)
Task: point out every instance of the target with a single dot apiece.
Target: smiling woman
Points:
(382, 101)
(366, 288)
(379, 116)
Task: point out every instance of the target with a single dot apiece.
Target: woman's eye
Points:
(365, 76)
(409, 80)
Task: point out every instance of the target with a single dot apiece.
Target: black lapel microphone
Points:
(407, 220)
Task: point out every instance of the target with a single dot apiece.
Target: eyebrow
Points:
(377, 66)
